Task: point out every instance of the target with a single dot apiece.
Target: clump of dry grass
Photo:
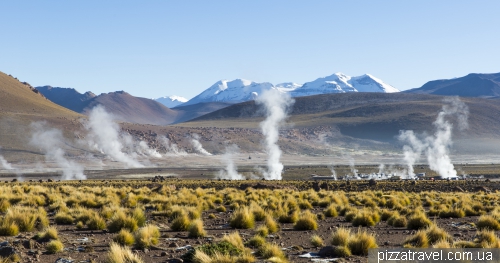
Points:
(366, 217)
(119, 254)
(418, 221)
(196, 229)
(488, 222)
(307, 221)
(242, 218)
(124, 238)
(341, 237)
(360, 242)
(63, 218)
(397, 220)
(147, 236)
(428, 237)
(181, 222)
(316, 241)
(269, 251)
(331, 211)
(55, 246)
(121, 220)
(271, 224)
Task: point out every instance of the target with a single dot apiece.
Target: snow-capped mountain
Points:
(240, 90)
(287, 86)
(235, 91)
(171, 101)
(340, 83)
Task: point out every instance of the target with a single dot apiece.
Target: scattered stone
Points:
(372, 182)
(6, 252)
(163, 254)
(29, 244)
(64, 260)
(327, 251)
(173, 244)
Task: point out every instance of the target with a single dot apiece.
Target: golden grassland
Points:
(127, 209)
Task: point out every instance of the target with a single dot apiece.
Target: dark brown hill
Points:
(190, 112)
(128, 108)
(373, 116)
(20, 105)
(472, 85)
(67, 97)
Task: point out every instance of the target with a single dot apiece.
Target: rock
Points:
(372, 182)
(482, 188)
(29, 244)
(176, 260)
(4, 244)
(457, 235)
(64, 260)
(163, 254)
(6, 252)
(386, 243)
(173, 244)
(328, 251)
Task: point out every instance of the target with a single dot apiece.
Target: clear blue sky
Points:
(157, 48)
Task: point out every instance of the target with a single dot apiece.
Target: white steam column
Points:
(276, 105)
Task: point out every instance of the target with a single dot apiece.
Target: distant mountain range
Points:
(241, 90)
(472, 85)
(224, 93)
(171, 101)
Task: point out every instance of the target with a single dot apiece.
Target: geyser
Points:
(104, 136)
(230, 172)
(436, 147)
(276, 105)
(50, 141)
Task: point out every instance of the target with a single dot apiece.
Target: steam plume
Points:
(230, 172)
(170, 147)
(334, 173)
(105, 134)
(49, 140)
(436, 147)
(276, 105)
(6, 165)
(197, 145)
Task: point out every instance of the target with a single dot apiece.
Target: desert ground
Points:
(84, 214)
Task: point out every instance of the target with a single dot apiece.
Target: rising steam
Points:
(276, 105)
(230, 172)
(50, 141)
(195, 141)
(171, 148)
(436, 147)
(334, 173)
(6, 165)
(104, 136)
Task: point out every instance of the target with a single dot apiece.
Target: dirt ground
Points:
(92, 246)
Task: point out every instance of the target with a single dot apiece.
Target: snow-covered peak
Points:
(171, 101)
(234, 91)
(287, 86)
(240, 90)
(369, 83)
(341, 83)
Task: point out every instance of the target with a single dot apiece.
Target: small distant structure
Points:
(421, 175)
(321, 177)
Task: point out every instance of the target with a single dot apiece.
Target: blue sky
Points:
(157, 48)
